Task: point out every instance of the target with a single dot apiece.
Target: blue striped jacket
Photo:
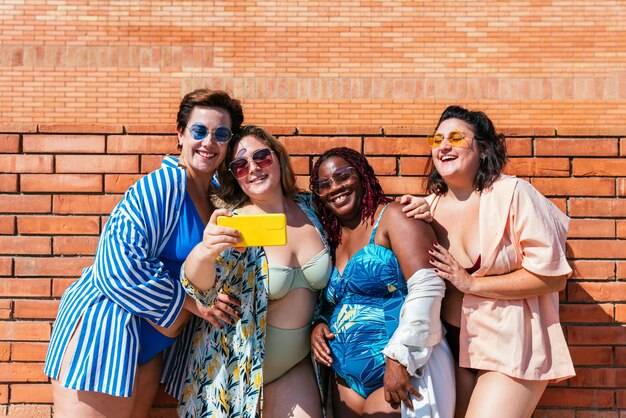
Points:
(126, 282)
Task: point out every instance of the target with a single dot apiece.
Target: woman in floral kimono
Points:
(259, 364)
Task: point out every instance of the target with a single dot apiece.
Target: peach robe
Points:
(522, 338)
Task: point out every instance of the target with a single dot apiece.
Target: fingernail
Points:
(431, 260)
(436, 271)
(431, 250)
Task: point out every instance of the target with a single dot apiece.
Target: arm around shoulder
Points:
(409, 238)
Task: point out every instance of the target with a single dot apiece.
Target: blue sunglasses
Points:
(221, 134)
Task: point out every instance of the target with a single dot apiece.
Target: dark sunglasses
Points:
(221, 134)
(240, 167)
(340, 177)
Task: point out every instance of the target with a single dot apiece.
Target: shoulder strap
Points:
(380, 215)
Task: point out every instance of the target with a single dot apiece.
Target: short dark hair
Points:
(209, 98)
(230, 191)
(373, 194)
(491, 145)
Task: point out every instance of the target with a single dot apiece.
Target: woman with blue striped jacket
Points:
(115, 321)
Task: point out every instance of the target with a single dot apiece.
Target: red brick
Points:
(620, 313)
(597, 414)
(596, 335)
(81, 128)
(575, 186)
(84, 204)
(4, 395)
(58, 225)
(7, 225)
(595, 313)
(25, 204)
(13, 245)
(547, 167)
(151, 128)
(581, 147)
(397, 146)
(583, 398)
(599, 167)
(519, 147)
(302, 182)
(74, 245)
(593, 270)
(596, 291)
(26, 331)
(313, 145)
(61, 183)
(597, 208)
(300, 165)
(591, 228)
(620, 356)
(8, 183)
(413, 166)
(25, 287)
(591, 356)
(5, 351)
(402, 185)
(335, 130)
(149, 163)
(57, 144)
(119, 183)
(9, 143)
(621, 229)
(28, 351)
(60, 285)
(142, 144)
(595, 248)
(26, 163)
(6, 266)
(621, 270)
(31, 411)
(596, 377)
(23, 393)
(51, 266)
(553, 413)
(35, 309)
(383, 166)
(621, 187)
(97, 164)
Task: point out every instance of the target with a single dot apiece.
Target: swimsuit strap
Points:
(380, 215)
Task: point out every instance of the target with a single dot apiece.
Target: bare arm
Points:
(519, 284)
(200, 263)
(409, 240)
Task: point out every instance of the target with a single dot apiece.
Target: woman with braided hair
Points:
(379, 351)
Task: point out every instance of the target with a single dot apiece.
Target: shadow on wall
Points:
(596, 338)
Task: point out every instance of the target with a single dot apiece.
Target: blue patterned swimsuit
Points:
(366, 299)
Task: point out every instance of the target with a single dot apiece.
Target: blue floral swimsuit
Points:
(367, 299)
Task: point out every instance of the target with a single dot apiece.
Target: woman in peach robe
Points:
(502, 253)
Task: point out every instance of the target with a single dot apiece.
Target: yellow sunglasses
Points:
(456, 138)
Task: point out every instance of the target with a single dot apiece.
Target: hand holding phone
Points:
(258, 230)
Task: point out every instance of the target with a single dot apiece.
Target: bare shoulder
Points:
(396, 221)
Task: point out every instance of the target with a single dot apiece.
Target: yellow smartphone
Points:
(258, 230)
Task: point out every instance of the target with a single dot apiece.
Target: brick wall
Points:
(58, 184)
(527, 62)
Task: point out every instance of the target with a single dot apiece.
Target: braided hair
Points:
(373, 194)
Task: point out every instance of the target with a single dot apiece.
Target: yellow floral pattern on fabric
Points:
(223, 376)
(224, 369)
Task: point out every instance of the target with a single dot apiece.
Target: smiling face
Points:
(258, 183)
(343, 197)
(202, 157)
(456, 164)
